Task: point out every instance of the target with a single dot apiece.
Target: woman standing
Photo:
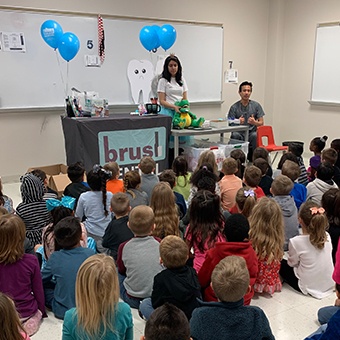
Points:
(172, 86)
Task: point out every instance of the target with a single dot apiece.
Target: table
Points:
(122, 138)
(210, 131)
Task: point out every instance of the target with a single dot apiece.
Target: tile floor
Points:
(291, 314)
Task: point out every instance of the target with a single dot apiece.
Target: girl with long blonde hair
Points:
(10, 326)
(267, 236)
(163, 204)
(309, 267)
(98, 314)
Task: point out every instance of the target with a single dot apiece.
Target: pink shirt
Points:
(199, 256)
(229, 186)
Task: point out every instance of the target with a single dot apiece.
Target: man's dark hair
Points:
(245, 83)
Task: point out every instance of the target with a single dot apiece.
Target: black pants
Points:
(288, 275)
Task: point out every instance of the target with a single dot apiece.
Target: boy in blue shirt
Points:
(299, 191)
(60, 271)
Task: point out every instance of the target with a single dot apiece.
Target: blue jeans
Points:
(241, 136)
(131, 301)
(146, 308)
(325, 313)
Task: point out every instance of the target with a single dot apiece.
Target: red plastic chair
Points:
(266, 131)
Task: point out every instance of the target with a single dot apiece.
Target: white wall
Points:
(293, 50)
(271, 43)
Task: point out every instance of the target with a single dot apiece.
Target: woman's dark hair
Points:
(57, 214)
(204, 170)
(319, 143)
(166, 74)
(206, 219)
(96, 179)
(287, 156)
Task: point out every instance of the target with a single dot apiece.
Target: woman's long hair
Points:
(166, 74)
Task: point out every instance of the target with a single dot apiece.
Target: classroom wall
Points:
(271, 43)
(293, 117)
(35, 138)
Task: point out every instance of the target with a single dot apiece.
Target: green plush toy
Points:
(185, 118)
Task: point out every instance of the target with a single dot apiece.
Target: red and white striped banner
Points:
(101, 39)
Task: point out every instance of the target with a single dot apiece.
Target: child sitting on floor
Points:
(138, 258)
(266, 181)
(252, 178)
(228, 318)
(118, 232)
(267, 236)
(114, 184)
(20, 274)
(229, 184)
(206, 225)
(149, 179)
(316, 145)
(245, 201)
(167, 322)
(10, 325)
(281, 187)
(236, 231)
(76, 173)
(180, 168)
(5, 201)
(309, 266)
(60, 271)
(132, 188)
(330, 156)
(98, 313)
(177, 284)
(299, 191)
(240, 157)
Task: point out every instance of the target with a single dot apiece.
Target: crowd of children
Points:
(185, 249)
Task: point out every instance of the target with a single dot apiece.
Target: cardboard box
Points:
(57, 176)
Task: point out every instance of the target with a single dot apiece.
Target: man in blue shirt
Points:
(248, 112)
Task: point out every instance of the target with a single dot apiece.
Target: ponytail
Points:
(316, 222)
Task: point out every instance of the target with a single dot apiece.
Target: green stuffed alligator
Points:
(186, 118)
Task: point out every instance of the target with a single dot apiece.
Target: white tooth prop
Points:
(140, 74)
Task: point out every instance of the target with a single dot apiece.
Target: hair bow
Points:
(66, 201)
(249, 192)
(316, 210)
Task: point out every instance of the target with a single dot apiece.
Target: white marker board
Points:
(33, 78)
(326, 72)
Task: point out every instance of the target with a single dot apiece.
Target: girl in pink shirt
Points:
(206, 225)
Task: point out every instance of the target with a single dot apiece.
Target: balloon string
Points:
(61, 73)
(67, 79)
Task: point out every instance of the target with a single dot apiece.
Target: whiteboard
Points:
(326, 72)
(39, 77)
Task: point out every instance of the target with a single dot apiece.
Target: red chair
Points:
(266, 131)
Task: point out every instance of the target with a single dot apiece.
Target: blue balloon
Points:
(51, 32)
(148, 38)
(167, 36)
(158, 31)
(68, 46)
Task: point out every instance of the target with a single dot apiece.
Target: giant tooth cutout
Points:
(140, 74)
